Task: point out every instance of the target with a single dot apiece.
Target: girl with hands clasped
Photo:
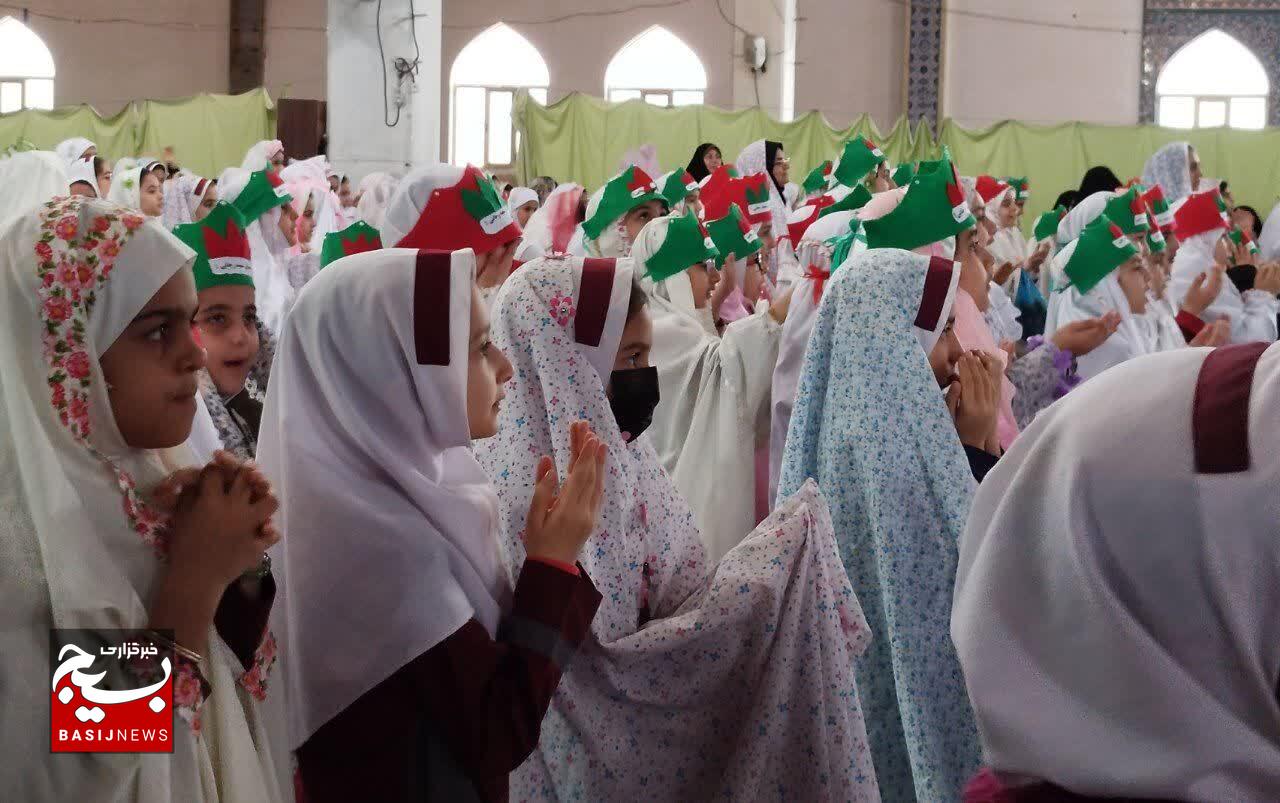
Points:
(107, 530)
(423, 665)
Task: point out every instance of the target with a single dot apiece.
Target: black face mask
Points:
(633, 396)
(1242, 276)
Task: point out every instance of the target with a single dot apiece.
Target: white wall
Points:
(850, 59)
(1041, 61)
(297, 53)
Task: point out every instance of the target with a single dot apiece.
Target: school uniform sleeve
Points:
(478, 700)
(1190, 325)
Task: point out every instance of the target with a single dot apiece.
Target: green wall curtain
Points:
(582, 139)
(207, 132)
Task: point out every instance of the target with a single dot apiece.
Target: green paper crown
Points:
(819, 178)
(732, 234)
(1047, 224)
(1021, 188)
(857, 198)
(222, 250)
(676, 186)
(933, 209)
(859, 157)
(262, 193)
(686, 244)
(624, 192)
(483, 201)
(903, 175)
(1101, 248)
(1155, 240)
(354, 239)
(1238, 237)
(1128, 211)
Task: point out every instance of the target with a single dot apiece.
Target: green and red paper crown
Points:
(989, 187)
(1128, 211)
(849, 200)
(631, 188)
(819, 179)
(904, 174)
(1021, 188)
(263, 192)
(687, 243)
(676, 186)
(354, 239)
(732, 234)
(1156, 242)
(467, 215)
(1047, 224)
(1159, 208)
(1100, 249)
(1201, 212)
(859, 157)
(222, 249)
(751, 193)
(1241, 237)
(801, 218)
(933, 209)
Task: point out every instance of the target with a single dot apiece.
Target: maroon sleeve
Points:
(241, 618)
(489, 697)
(1189, 324)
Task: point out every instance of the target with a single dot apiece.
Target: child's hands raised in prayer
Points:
(1204, 290)
(974, 400)
(1082, 337)
(562, 517)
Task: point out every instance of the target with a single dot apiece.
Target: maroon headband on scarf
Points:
(430, 285)
(593, 300)
(1220, 412)
(937, 281)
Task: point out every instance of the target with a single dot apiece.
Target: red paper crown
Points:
(233, 244)
(640, 183)
(1199, 213)
(955, 194)
(716, 196)
(990, 186)
(361, 243)
(797, 228)
(273, 178)
(467, 215)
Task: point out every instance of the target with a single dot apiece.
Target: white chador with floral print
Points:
(696, 682)
(83, 546)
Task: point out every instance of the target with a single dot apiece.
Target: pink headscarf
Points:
(973, 333)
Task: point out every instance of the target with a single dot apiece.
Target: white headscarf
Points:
(538, 233)
(519, 197)
(259, 156)
(126, 181)
(613, 242)
(306, 180)
(74, 556)
(1252, 313)
(412, 197)
(351, 392)
(69, 150)
(29, 179)
(1069, 228)
(82, 171)
(375, 191)
(181, 199)
(1135, 336)
(269, 250)
(1269, 242)
(1117, 634)
(1170, 167)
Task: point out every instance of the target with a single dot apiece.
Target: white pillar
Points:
(360, 137)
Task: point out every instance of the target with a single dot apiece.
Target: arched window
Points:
(483, 84)
(658, 67)
(26, 69)
(1210, 82)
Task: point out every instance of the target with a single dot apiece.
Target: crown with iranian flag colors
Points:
(732, 234)
(724, 189)
(222, 250)
(846, 200)
(261, 193)
(1128, 211)
(819, 178)
(904, 174)
(755, 197)
(676, 186)
(1199, 213)
(989, 187)
(801, 218)
(354, 239)
(1100, 249)
(859, 157)
(933, 209)
(467, 215)
(1241, 237)
(686, 244)
(631, 188)
(1021, 187)
(1047, 224)
(1155, 238)
(1159, 208)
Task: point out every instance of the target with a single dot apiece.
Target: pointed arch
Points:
(26, 68)
(657, 66)
(482, 85)
(1211, 81)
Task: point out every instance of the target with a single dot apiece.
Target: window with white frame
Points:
(483, 84)
(1212, 81)
(658, 68)
(26, 69)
